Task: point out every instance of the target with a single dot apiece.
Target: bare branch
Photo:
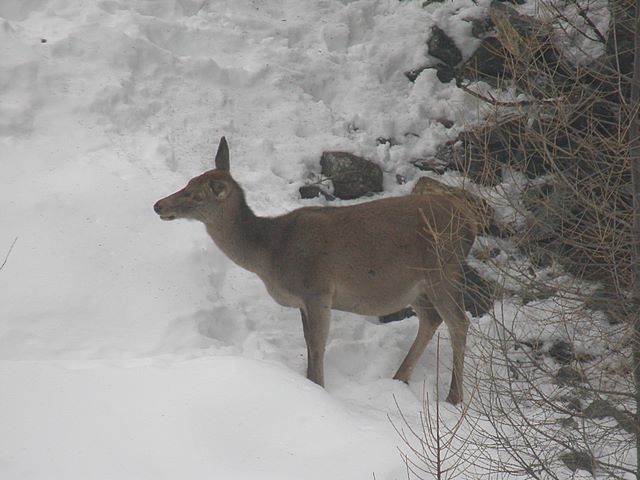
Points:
(8, 253)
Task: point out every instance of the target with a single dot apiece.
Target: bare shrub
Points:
(557, 362)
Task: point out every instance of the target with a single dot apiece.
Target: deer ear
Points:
(219, 188)
(222, 157)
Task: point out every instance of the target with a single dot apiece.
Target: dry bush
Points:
(554, 362)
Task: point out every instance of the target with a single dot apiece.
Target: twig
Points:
(8, 253)
(204, 3)
(499, 103)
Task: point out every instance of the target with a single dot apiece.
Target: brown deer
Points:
(373, 258)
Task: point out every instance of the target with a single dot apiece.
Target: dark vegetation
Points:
(561, 150)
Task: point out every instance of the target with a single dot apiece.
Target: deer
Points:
(371, 258)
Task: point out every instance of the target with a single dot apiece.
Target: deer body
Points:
(373, 258)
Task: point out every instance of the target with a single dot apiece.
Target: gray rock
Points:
(599, 409)
(562, 352)
(568, 422)
(310, 191)
(569, 376)
(445, 73)
(577, 460)
(443, 48)
(442, 160)
(352, 176)
(602, 408)
(487, 63)
(481, 26)
(500, 12)
(413, 74)
(479, 293)
(613, 303)
(313, 191)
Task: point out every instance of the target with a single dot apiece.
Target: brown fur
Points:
(373, 258)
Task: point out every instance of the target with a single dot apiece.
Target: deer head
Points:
(204, 196)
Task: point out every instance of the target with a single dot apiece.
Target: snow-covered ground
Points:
(132, 348)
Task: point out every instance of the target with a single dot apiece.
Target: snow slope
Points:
(226, 417)
(132, 348)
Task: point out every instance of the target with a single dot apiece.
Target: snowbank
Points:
(131, 348)
(224, 417)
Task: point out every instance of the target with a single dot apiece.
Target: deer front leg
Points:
(316, 317)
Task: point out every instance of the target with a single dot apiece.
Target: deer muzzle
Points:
(164, 210)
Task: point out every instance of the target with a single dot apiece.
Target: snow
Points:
(132, 348)
(181, 420)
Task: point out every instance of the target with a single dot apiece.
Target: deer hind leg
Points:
(449, 303)
(316, 317)
(429, 320)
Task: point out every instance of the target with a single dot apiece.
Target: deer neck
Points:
(242, 236)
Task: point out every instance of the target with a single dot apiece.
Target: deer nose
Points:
(157, 207)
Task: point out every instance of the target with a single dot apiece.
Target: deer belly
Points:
(375, 301)
(283, 297)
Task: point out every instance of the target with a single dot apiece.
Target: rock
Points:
(596, 117)
(602, 408)
(445, 122)
(443, 159)
(529, 42)
(481, 26)
(613, 303)
(487, 63)
(562, 352)
(578, 460)
(599, 409)
(383, 141)
(555, 210)
(505, 17)
(568, 376)
(443, 48)
(313, 191)
(310, 191)
(490, 146)
(352, 176)
(412, 75)
(572, 403)
(445, 73)
(568, 422)
(480, 168)
(479, 293)
(430, 164)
